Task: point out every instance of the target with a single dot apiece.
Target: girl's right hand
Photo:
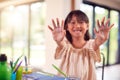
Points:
(58, 30)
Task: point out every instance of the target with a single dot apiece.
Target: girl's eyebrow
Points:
(73, 20)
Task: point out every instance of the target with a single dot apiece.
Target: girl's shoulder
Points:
(91, 40)
(89, 43)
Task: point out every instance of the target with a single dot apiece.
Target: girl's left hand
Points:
(103, 30)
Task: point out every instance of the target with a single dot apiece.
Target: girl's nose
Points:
(77, 25)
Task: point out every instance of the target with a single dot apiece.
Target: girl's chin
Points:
(78, 36)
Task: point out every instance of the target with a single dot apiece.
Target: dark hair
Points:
(81, 16)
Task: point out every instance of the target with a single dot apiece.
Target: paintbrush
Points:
(17, 67)
(60, 71)
(11, 65)
(26, 66)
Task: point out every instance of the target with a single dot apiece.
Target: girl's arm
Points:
(102, 34)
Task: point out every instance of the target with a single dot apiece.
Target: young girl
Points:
(78, 51)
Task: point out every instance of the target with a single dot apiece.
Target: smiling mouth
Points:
(77, 30)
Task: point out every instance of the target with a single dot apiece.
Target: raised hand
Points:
(103, 30)
(58, 30)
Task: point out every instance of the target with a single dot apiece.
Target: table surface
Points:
(40, 76)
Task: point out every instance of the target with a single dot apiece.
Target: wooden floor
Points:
(110, 73)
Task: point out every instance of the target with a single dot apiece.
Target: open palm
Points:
(103, 29)
(58, 30)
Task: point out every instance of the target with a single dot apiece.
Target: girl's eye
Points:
(81, 22)
(72, 22)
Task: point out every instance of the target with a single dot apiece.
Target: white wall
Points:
(55, 9)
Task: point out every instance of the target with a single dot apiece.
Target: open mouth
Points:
(77, 31)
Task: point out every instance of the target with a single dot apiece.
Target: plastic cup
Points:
(13, 76)
(19, 73)
(27, 70)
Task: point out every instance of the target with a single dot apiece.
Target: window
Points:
(22, 32)
(94, 12)
(99, 14)
(37, 39)
(114, 37)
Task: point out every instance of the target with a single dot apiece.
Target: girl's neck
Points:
(78, 43)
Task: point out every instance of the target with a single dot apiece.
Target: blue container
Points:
(13, 76)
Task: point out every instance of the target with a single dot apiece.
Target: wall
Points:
(55, 9)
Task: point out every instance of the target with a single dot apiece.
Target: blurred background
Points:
(23, 29)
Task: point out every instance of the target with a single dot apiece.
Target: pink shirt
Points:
(79, 62)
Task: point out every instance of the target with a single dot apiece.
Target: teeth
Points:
(78, 30)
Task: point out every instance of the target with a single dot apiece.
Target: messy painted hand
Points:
(58, 30)
(103, 30)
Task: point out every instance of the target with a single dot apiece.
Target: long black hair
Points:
(81, 16)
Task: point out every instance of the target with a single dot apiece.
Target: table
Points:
(40, 76)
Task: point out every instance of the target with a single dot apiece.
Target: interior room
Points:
(24, 31)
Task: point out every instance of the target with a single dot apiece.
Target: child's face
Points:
(77, 28)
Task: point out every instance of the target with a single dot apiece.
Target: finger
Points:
(103, 20)
(107, 22)
(98, 23)
(54, 25)
(50, 28)
(95, 30)
(111, 26)
(58, 24)
(62, 24)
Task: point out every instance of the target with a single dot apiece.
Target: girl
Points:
(78, 51)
